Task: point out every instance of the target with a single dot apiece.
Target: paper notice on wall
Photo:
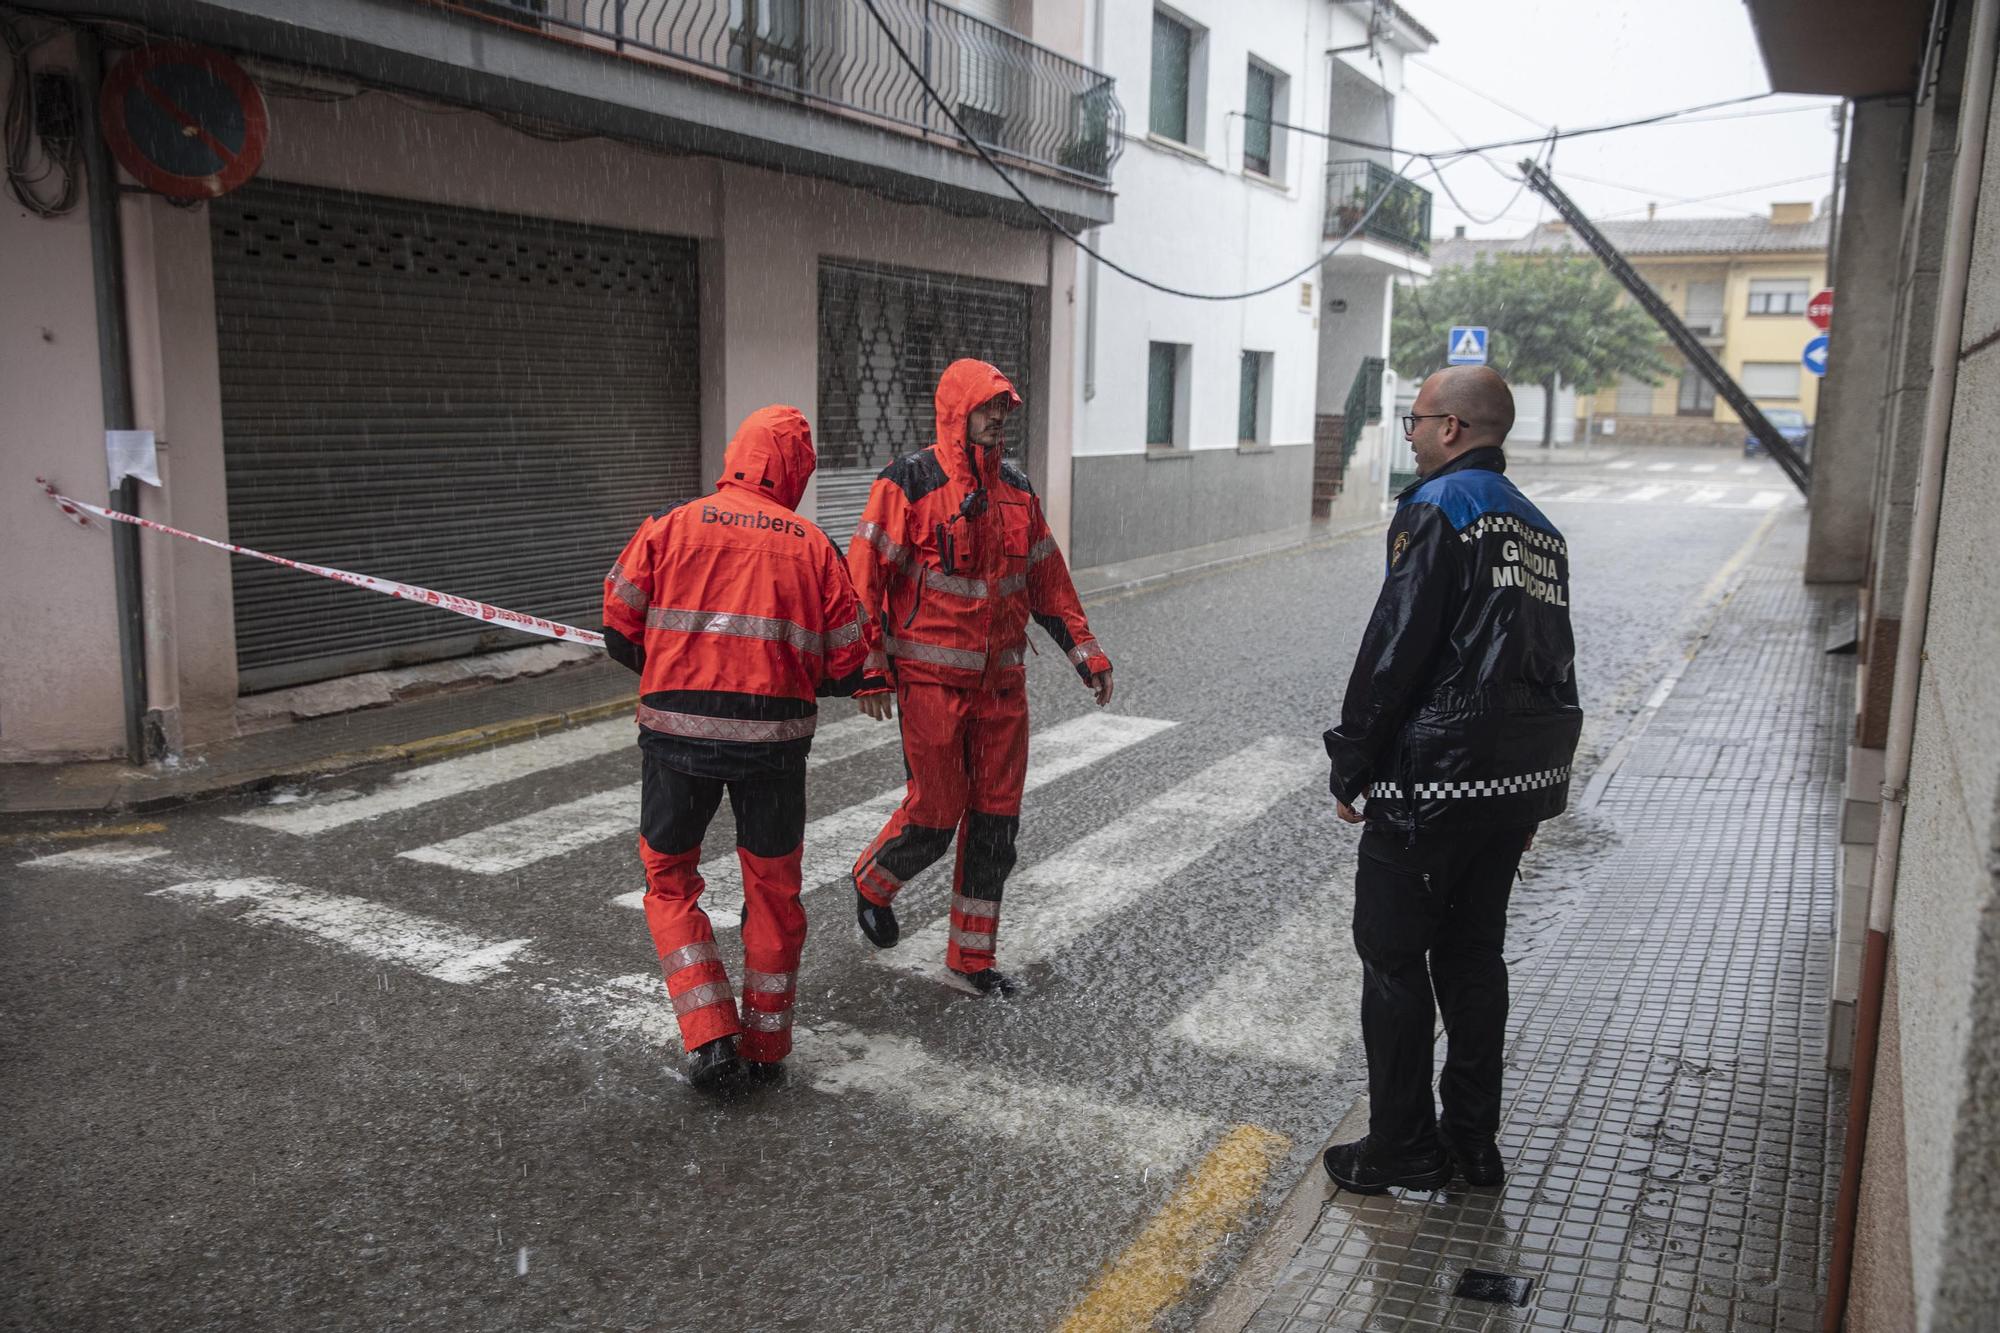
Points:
(131, 453)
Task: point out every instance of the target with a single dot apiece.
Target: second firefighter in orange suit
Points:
(952, 559)
(736, 614)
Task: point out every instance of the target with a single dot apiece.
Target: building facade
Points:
(1740, 284)
(1197, 420)
(506, 279)
(1905, 480)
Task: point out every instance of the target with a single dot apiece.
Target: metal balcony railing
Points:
(1403, 218)
(1019, 99)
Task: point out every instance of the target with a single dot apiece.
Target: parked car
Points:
(1791, 424)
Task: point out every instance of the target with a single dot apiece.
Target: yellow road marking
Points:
(1155, 1270)
(78, 834)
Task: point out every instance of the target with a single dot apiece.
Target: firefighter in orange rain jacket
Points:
(736, 614)
(951, 559)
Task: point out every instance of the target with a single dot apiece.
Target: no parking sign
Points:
(186, 121)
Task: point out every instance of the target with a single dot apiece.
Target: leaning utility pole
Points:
(1663, 314)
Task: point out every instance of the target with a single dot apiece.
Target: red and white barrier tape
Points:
(465, 606)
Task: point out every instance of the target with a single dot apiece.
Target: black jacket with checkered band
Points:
(1462, 708)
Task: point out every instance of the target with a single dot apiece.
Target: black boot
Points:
(989, 981)
(877, 923)
(764, 1073)
(1360, 1170)
(1478, 1159)
(713, 1065)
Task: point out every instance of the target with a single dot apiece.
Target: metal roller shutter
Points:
(481, 404)
(885, 335)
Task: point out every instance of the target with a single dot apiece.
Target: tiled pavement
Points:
(1670, 1114)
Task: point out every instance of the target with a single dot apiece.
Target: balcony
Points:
(808, 88)
(1022, 101)
(1385, 208)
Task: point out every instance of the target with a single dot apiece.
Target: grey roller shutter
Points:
(481, 404)
(885, 335)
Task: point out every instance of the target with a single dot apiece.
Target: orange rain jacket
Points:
(736, 613)
(953, 556)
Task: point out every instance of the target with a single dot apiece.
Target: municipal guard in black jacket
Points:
(1457, 731)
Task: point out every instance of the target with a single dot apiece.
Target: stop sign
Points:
(1820, 309)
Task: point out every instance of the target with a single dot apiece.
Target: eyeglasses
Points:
(1410, 421)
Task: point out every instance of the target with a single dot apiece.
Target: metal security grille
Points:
(885, 335)
(481, 404)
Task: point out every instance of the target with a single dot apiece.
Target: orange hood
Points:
(964, 385)
(772, 455)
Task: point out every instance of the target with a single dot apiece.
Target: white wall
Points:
(1195, 220)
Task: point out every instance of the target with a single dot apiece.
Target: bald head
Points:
(1478, 397)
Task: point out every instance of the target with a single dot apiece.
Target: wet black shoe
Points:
(714, 1065)
(1356, 1169)
(877, 923)
(764, 1073)
(1478, 1159)
(989, 981)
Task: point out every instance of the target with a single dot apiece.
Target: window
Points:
(1779, 296)
(1260, 102)
(1704, 309)
(1253, 399)
(1166, 391)
(767, 39)
(1180, 72)
(1771, 379)
(1697, 396)
(1635, 397)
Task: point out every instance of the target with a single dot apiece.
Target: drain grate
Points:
(1476, 1284)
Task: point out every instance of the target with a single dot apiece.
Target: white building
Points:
(1197, 420)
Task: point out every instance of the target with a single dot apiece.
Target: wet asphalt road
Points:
(221, 1117)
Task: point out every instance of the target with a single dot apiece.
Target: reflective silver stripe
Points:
(1011, 657)
(688, 955)
(1082, 652)
(901, 558)
(845, 635)
(699, 726)
(769, 983)
(973, 589)
(738, 626)
(703, 996)
(1041, 550)
(756, 1020)
(982, 940)
(624, 589)
(975, 907)
(1012, 584)
(936, 654)
(877, 660)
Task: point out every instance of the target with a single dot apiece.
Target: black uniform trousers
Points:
(1431, 919)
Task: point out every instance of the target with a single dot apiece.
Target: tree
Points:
(1549, 317)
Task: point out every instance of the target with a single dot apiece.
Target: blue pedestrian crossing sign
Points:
(1815, 355)
(1466, 346)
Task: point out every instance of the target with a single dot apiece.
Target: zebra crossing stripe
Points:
(1766, 500)
(1053, 901)
(1642, 494)
(573, 825)
(833, 841)
(356, 925)
(443, 780)
(1292, 1000)
(1617, 467)
(105, 856)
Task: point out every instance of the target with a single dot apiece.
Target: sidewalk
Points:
(1672, 1129)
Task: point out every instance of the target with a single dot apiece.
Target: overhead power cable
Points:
(1055, 224)
(1581, 130)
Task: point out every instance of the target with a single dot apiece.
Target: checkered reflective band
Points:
(1462, 791)
(1486, 523)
